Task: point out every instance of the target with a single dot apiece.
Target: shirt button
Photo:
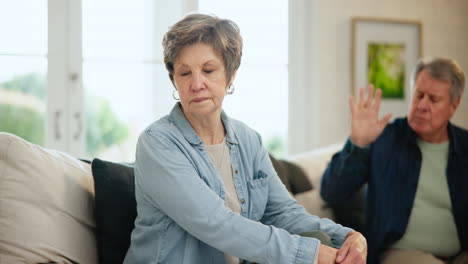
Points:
(236, 171)
(242, 201)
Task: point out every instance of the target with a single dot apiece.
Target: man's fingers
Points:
(385, 119)
(370, 95)
(378, 96)
(361, 97)
(352, 106)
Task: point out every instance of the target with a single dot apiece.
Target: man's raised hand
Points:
(365, 123)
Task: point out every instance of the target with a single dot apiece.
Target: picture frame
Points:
(384, 52)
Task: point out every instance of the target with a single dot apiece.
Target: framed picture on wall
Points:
(384, 52)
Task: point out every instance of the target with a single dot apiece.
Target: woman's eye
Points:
(184, 73)
(208, 71)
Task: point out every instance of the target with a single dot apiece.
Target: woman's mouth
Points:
(199, 99)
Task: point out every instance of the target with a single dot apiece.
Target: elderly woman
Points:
(206, 189)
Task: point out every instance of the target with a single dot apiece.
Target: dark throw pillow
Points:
(115, 209)
(292, 176)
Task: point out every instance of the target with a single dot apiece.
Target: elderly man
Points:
(416, 169)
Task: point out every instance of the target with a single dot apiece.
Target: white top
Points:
(221, 158)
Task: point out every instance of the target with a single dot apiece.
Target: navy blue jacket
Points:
(391, 167)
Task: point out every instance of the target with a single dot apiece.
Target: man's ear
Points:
(455, 105)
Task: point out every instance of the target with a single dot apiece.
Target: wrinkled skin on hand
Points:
(353, 251)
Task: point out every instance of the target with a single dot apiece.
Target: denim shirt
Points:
(391, 166)
(182, 216)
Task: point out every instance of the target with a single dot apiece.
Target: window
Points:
(125, 81)
(23, 61)
(261, 96)
(75, 66)
(119, 75)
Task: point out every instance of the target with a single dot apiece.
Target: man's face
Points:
(431, 108)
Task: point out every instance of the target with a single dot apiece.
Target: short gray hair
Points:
(222, 34)
(443, 69)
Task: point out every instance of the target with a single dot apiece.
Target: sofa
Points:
(55, 208)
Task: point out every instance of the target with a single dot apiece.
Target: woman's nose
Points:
(197, 82)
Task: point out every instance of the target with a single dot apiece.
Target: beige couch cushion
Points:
(46, 205)
(314, 163)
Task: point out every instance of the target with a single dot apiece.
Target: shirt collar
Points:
(453, 144)
(411, 137)
(184, 126)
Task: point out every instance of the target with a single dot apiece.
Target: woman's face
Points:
(200, 78)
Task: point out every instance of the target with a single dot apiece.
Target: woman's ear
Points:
(233, 76)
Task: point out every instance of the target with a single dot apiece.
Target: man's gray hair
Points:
(442, 69)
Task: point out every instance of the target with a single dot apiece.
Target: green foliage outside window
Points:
(23, 122)
(20, 116)
(276, 147)
(103, 127)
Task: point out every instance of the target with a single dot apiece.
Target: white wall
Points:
(320, 67)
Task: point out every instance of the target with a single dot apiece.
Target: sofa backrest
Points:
(46, 205)
(350, 213)
(314, 163)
